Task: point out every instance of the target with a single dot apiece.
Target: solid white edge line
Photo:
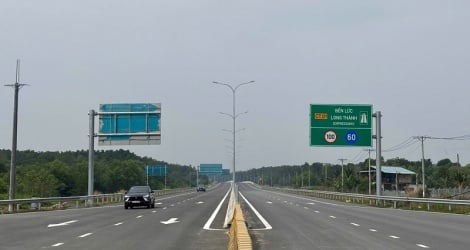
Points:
(211, 219)
(58, 244)
(260, 217)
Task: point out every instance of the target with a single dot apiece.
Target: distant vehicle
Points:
(139, 196)
(201, 189)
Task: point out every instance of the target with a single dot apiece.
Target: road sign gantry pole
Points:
(378, 161)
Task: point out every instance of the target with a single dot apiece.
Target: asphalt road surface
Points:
(310, 223)
(176, 222)
(276, 221)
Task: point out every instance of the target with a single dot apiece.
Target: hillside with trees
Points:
(48, 174)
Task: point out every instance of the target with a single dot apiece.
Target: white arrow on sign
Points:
(170, 221)
(62, 224)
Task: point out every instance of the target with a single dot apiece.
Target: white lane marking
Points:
(310, 203)
(372, 230)
(316, 211)
(118, 224)
(140, 216)
(394, 237)
(422, 246)
(200, 202)
(211, 219)
(306, 208)
(154, 211)
(58, 244)
(158, 203)
(333, 217)
(269, 202)
(172, 205)
(164, 208)
(261, 218)
(355, 224)
(84, 235)
(170, 221)
(62, 224)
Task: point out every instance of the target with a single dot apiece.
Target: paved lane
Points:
(176, 223)
(310, 223)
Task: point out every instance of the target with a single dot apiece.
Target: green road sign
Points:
(340, 125)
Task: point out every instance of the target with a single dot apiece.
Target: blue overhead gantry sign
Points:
(129, 124)
(211, 169)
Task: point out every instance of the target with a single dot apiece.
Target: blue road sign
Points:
(210, 169)
(157, 170)
(129, 124)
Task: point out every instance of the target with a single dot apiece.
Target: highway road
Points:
(177, 222)
(294, 222)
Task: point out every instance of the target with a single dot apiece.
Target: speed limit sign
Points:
(330, 136)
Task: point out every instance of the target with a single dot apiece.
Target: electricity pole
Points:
(422, 138)
(342, 173)
(16, 86)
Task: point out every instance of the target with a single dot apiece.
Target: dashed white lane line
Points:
(269, 202)
(84, 235)
(58, 244)
(394, 237)
(372, 230)
(118, 224)
(154, 211)
(355, 224)
(310, 203)
(333, 217)
(62, 224)
(316, 211)
(140, 216)
(422, 246)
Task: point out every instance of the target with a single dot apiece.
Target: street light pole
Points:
(234, 117)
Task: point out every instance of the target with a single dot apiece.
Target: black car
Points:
(139, 196)
(201, 189)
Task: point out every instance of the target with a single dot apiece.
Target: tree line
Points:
(443, 174)
(50, 174)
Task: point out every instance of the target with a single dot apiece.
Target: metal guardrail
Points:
(378, 200)
(78, 201)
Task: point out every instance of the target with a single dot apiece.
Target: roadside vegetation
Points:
(443, 175)
(63, 174)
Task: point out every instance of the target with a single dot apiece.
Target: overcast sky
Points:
(409, 59)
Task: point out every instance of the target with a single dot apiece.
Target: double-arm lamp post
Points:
(234, 116)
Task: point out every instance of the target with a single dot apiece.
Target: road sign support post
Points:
(91, 156)
(378, 141)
